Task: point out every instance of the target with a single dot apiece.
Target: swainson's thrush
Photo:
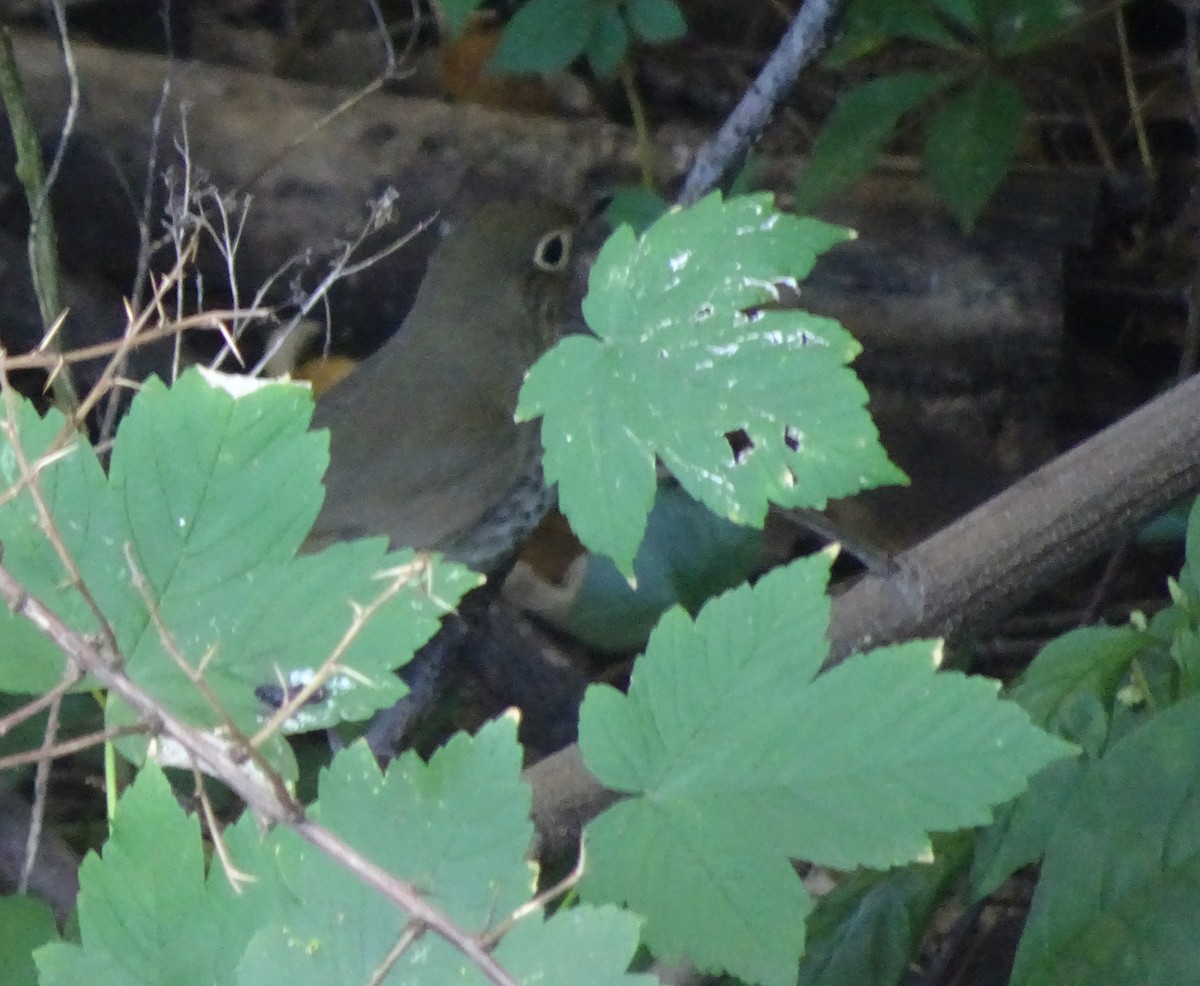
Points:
(423, 446)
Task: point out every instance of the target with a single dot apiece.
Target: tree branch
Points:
(972, 572)
(724, 154)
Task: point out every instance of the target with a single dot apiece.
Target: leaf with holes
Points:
(745, 404)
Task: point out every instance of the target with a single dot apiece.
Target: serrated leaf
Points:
(656, 20)
(77, 496)
(26, 923)
(458, 828)
(970, 144)
(213, 487)
(676, 365)
(234, 476)
(1117, 902)
(143, 905)
(218, 489)
(853, 768)
(547, 35)
(857, 131)
(583, 946)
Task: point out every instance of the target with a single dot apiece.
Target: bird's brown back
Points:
(423, 446)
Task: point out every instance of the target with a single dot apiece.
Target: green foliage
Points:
(1122, 867)
(1117, 830)
(26, 923)
(858, 130)
(867, 929)
(677, 364)
(459, 827)
(548, 35)
(141, 906)
(973, 134)
(851, 768)
(210, 494)
(736, 757)
(970, 144)
(635, 206)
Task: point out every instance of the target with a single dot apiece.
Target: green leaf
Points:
(236, 476)
(457, 13)
(588, 946)
(970, 144)
(213, 488)
(635, 206)
(547, 35)
(677, 365)
(77, 496)
(457, 829)
(867, 25)
(1117, 902)
(1189, 575)
(609, 43)
(868, 929)
(853, 768)
(1017, 27)
(857, 131)
(26, 923)
(656, 20)
(143, 907)
(1070, 689)
(1018, 836)
(1086, 664)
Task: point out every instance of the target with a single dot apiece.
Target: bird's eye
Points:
(553, 250)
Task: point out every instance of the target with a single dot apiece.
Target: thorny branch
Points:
(266, 796)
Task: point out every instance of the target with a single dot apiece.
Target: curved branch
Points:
(973, 571)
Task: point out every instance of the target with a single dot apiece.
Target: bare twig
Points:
(724, 154)
(216, 319)
(388, 72)
(235, 876)
(342, 268)
(69, 680)
(542, 900)
(411, 933)
(400, 577)
(68, 747)
(214, 755)
(41, 788)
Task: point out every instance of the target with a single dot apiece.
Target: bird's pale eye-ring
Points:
(553, 250)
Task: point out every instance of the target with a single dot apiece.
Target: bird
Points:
(423, 446)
